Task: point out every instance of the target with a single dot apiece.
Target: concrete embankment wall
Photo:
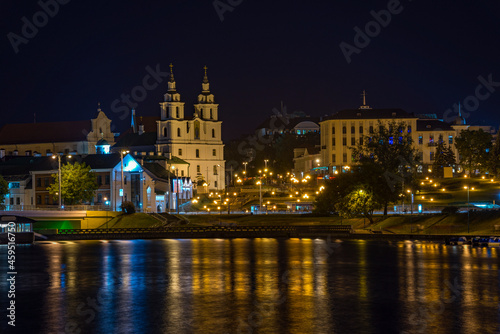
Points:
(51, 219)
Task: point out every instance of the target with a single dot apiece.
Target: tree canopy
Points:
(387, 162)
(444, 157)
(78, 184)
(473, 147)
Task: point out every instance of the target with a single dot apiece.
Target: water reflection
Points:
(255, 286)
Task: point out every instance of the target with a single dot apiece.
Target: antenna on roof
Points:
(364, 106)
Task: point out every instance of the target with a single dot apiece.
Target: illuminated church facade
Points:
(195, 139)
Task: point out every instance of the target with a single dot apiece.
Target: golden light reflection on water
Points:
(268, 285)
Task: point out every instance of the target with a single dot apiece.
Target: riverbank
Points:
(477, 222)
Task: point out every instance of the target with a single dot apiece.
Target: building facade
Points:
(346, 128)
(195, 139)
(42, 139)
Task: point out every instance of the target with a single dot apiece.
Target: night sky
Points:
(263, 52)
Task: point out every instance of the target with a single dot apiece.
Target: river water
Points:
(253, 286)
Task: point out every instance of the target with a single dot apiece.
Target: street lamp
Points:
(468, 207)
(122, 191)
(260, 195)
(245, 164)
(265, 162)
(59, 173)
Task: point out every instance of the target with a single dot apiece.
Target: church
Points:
(194, 139)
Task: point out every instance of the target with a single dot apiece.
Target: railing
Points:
(206, 229)
(56, 208)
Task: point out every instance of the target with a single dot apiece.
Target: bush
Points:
(128, 208)
(449, 210)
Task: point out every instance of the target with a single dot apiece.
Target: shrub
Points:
(449, 210)
(128, 208)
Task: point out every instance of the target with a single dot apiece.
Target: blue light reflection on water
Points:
(255, 286)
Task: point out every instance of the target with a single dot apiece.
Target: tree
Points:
(494, 158)
(387, 162)
(4, 190)
(334, 193)
(78, 184)
(473, 147)
(444, 157)
(359, 202)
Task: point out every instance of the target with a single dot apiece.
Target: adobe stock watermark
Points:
(30, 28)
(372, 29)
(483, 91)
(263, 310)
(223, 6)
(150, 81)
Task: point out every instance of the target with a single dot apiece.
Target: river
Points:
(253, 286)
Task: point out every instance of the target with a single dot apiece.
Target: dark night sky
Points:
(263, 52)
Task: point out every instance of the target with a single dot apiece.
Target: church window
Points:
(213, 133)
(180, 151)
(450, 140)
(215, 169)
(211, 115)
(182, 172)
(361, 129)
(353, 141)
(333, 141)
(344, 141)
(333, 130)
(164, 131)
(214, 152)
(196, 130)
(353, 129)
(178, 132)
(187, 127)
(197, 153)
(371, 129)
(334, 158)
(344, 130)
(177, 112)
(344, 157)
(198, 169)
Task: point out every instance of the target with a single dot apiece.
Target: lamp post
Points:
(260, 195)
(245, 164)
(468, 207)
(59, 174)
(121, 160)
(265, 162)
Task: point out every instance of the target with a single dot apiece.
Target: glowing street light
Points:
(59, 172)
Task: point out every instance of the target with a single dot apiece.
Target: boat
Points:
(457, 241)
(480, 241)
(16, 230)
(494, 242)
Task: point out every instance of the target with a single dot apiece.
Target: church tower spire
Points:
(171, 82)
(205, 86)
(172, 107)
(206, 107)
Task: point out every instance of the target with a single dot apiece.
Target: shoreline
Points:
(232, 235)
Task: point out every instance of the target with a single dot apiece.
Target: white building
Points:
(195, 139)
